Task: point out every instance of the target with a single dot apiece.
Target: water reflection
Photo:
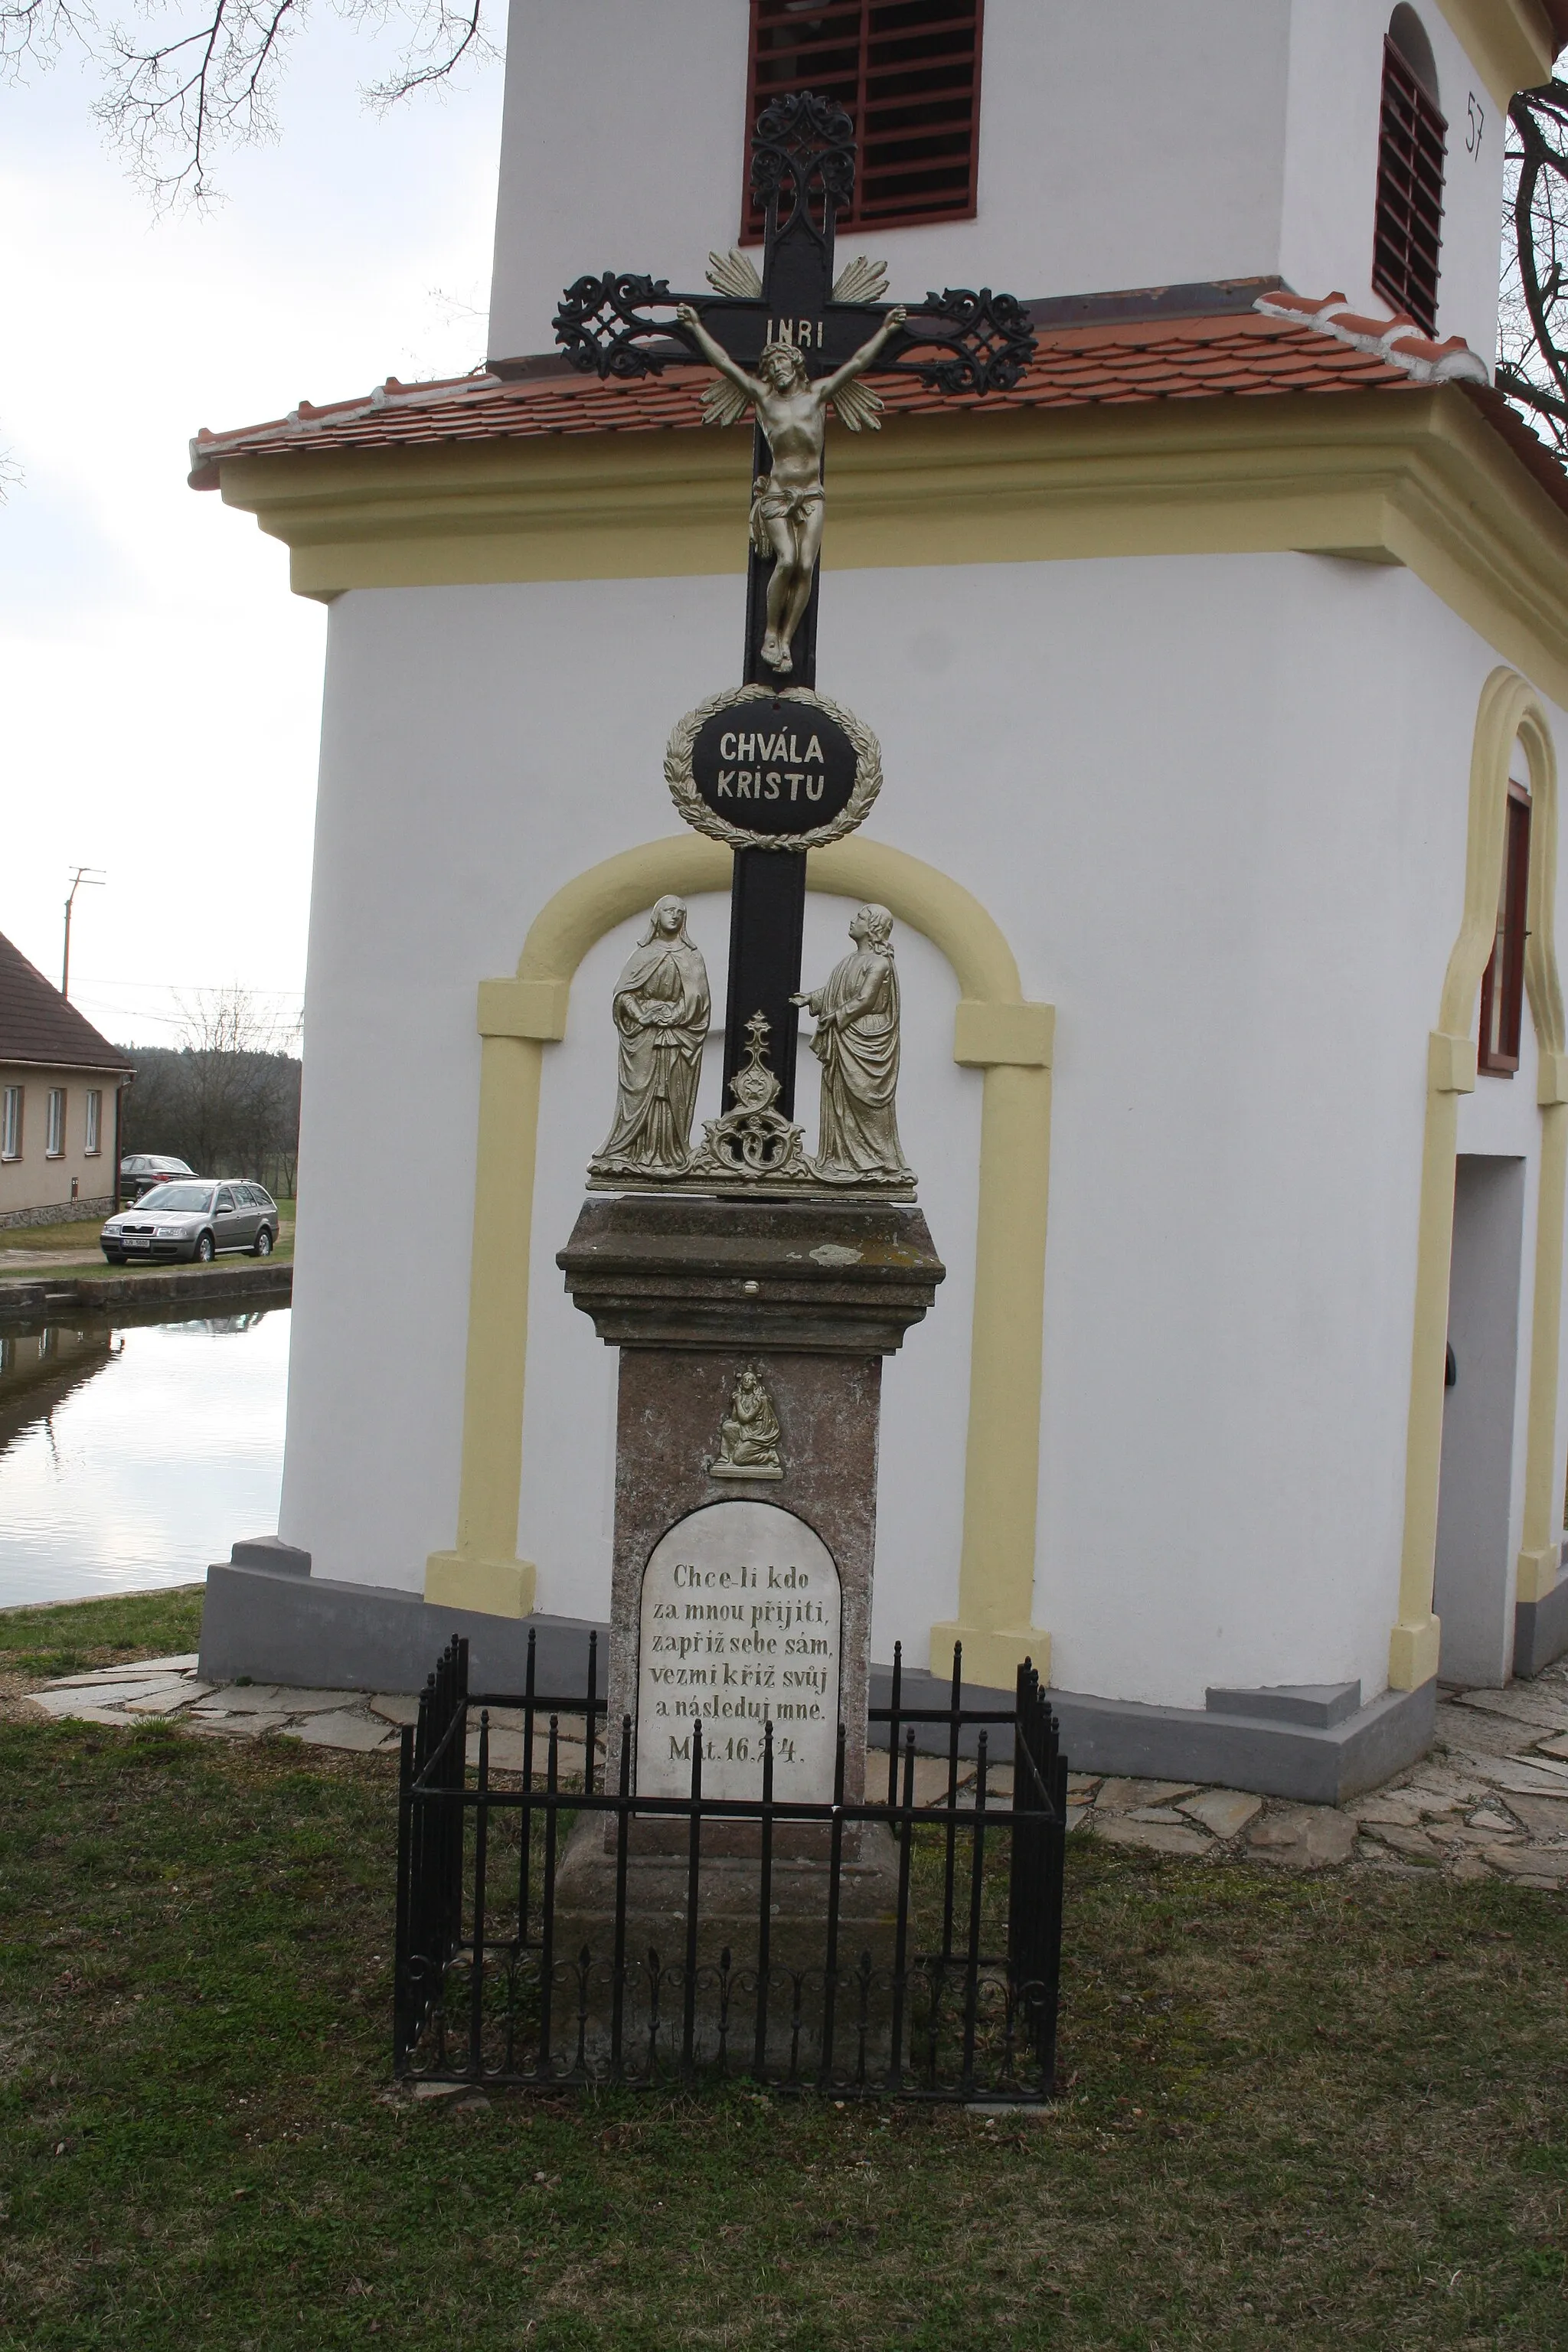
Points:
(133, 1454)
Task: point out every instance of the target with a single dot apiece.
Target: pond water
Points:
(132, 1455)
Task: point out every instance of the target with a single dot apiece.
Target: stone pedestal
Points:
(722, 1615)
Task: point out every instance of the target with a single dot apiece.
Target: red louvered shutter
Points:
(907, 72)
(1411, 145)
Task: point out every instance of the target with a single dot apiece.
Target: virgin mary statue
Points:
(661, 1010)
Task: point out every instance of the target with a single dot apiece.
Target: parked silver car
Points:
(140, 1171)
(194, 1220)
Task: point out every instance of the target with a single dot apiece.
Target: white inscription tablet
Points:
(740, 1627)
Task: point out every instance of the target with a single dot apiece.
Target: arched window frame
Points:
(1413, 137)
(1502, 983)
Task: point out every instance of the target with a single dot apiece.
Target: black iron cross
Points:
(803, 175)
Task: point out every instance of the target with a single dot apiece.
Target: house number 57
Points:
(1478, 123)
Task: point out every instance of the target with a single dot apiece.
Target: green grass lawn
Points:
(1299, 2111)
(72, 1637)
(79, 1242)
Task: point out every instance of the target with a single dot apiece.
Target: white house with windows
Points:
(1219, 671)
(61, 1087)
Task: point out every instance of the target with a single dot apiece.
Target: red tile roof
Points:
(1243, 355)
(39, 1025)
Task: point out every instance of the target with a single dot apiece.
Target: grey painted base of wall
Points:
(1541, 1629)
(268, 1617)
(1267, 1741)
(60, 1212)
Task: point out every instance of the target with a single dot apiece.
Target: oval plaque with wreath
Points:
(767, 767)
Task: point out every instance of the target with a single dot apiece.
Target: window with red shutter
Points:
(1502, 988)
(908, 74)
(1412, 140)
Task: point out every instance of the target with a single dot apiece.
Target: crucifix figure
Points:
(788, 342)
(792, 412)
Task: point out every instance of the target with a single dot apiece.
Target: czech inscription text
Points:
(740, 1628)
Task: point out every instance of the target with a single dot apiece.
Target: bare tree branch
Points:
(173, 104)
(1532, 315)
(34, 32)
(443, 36)
(210, 87)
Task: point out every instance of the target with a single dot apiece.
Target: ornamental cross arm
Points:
(959, 340)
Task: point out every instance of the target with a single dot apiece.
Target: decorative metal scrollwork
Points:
(804, 146)
(988, 335)
(1532, 324)
(605, 327)
(602, 328)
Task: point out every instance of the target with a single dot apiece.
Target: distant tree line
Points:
(226, 1100)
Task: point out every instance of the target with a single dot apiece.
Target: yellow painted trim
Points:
(1509, 42)
(1417, 478)
(1541, 1535)
(492, 1588)
(1509, 710)
(522, 1008)
(1451, 1064)
(991, 1660)
(1008, 1038)
(984, 1035)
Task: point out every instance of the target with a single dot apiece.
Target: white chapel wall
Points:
(1330, 165)
(1218, 806)
(1123, 143)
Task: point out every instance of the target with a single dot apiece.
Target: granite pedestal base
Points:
(694, 1291)
(728, 1948)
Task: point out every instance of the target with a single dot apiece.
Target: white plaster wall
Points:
(1330, 165)
(1218, 806)
(1123, 143)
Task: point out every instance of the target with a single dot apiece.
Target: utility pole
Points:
(93, 877)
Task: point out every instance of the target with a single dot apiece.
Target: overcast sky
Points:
(159, 686)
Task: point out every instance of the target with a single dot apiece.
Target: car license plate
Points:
(130, 1244)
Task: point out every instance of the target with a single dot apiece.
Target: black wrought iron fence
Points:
(555, 1931)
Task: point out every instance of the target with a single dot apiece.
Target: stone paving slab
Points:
(1490, 1801)
(1543, 1817)
(356, 1732)
(1520, 1776)
(301, 1702)
(140, 1671)
(1415, 1844)
(1530, 1861)
(1156, 1836)
(1523, 1707)
(1304, 1837)
(1480, 1731)
(1223, 1812)
(1123, 1796)
(170, 1699)
(66, 1702)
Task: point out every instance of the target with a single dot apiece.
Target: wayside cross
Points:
(788, 342)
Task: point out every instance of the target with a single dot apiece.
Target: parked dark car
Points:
(193, 1219)
(140, 1171)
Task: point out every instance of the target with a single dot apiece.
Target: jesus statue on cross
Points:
(787, 504)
